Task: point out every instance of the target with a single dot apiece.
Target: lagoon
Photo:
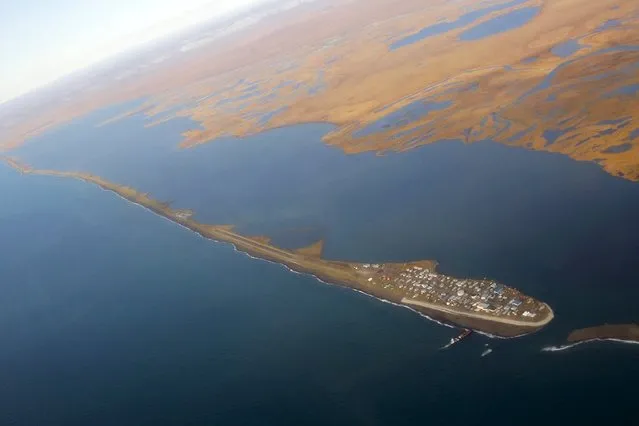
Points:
(130, 320)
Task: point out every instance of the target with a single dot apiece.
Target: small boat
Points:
(486, 352)
(454, 340)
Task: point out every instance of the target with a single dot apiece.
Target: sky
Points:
(43, 40)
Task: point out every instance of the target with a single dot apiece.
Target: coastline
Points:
(331, 272)
(619, 333)
(541, 323)
(562, 348)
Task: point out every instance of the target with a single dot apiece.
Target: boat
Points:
(486, 351)
(457, 339)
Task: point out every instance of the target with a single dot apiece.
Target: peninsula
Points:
(479, 304)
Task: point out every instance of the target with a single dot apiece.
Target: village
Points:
(423, 284)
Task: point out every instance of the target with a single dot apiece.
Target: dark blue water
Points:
(401, 117)
(567, 48)
(114, 316)
(499, 24)
(444, 27)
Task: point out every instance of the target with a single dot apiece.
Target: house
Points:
(481, 306)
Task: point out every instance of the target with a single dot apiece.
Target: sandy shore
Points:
(509, 321)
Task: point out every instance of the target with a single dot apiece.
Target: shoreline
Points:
(562, 348)
(344, 274)
(486, 317)
(619, 333)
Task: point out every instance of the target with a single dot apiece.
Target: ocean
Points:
(110, 315)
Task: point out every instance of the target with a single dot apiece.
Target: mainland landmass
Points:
(623, 332)
(478, 304)
(550, 75)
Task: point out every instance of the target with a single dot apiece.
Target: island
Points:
(479, 304)
(616, 332)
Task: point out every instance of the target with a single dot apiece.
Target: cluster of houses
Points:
(183, 214)
(420, 283)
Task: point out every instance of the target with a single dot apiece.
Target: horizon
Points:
(36, 64)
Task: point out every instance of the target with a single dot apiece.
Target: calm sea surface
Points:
(110, 315)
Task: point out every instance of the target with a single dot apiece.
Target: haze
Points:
(43, 40)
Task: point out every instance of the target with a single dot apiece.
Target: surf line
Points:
(275, 263)
(115, 193)
(562, 348)
(421, 314)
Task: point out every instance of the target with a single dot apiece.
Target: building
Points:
(481, 306)
(183, 214)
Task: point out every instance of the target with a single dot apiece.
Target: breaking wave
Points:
(562, 348)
